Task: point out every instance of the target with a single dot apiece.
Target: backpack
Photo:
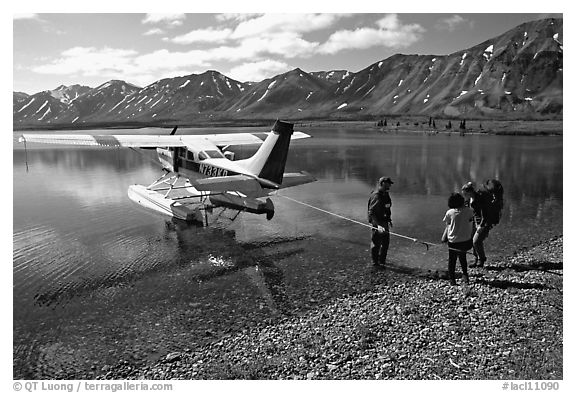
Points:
(494, 199)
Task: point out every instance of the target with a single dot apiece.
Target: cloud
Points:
(235, 17)
(390, 32)
(89, 61)
(257, 71)
(267, 27)
(166, 60)
(25, 16)
(281, 23)
(169, 20)
(452, 23)
(287, 45)
(203, 35)
(129, 65)
(154, 31)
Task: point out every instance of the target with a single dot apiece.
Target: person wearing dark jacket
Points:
(478, 201)
(380, 216)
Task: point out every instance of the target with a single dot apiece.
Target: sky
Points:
(88, 48)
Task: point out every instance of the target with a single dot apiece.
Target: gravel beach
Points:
(507, 324)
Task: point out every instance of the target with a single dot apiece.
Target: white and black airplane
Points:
(199, 172)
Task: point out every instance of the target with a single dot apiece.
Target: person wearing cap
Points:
(380, 216)
(477, 201)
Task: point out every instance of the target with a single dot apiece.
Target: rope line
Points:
(427, 244)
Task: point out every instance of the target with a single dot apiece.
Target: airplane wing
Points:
(106, 140)
(219, 140)
(245, 138)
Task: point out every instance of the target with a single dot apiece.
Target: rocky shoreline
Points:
(507, 324)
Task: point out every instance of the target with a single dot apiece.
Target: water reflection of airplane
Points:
(217, 253)
(199, 171)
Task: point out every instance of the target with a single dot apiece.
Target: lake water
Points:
(99, 280)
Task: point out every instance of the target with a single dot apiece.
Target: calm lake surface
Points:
(99, 280)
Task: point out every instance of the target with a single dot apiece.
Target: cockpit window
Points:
(202, 156)
(214, 153)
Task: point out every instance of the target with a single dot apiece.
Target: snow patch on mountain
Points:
(26, 106)
(154, 104)
(349, 85)
(477, 79)
(42, 107)
(115, 106)
(368, 92)
(45, 113)
(525, 36)
(488, 52)
(461, 94)
(263, 95)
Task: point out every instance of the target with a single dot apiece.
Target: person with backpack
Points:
(487, 205)
(380, 216)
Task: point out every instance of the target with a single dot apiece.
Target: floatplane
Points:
(200, 173)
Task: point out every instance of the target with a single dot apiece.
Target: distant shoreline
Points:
(396, 124)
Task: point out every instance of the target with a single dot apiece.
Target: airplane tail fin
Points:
(269, 161)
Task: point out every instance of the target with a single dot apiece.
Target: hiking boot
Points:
(481, 263)
(465, 279)
(452, 281)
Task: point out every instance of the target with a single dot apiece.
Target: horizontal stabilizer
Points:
(296, 179)
(244, 184)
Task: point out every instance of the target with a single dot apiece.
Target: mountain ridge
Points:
(518, 74)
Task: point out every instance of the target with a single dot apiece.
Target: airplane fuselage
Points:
(184, 162)
(195, 165)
